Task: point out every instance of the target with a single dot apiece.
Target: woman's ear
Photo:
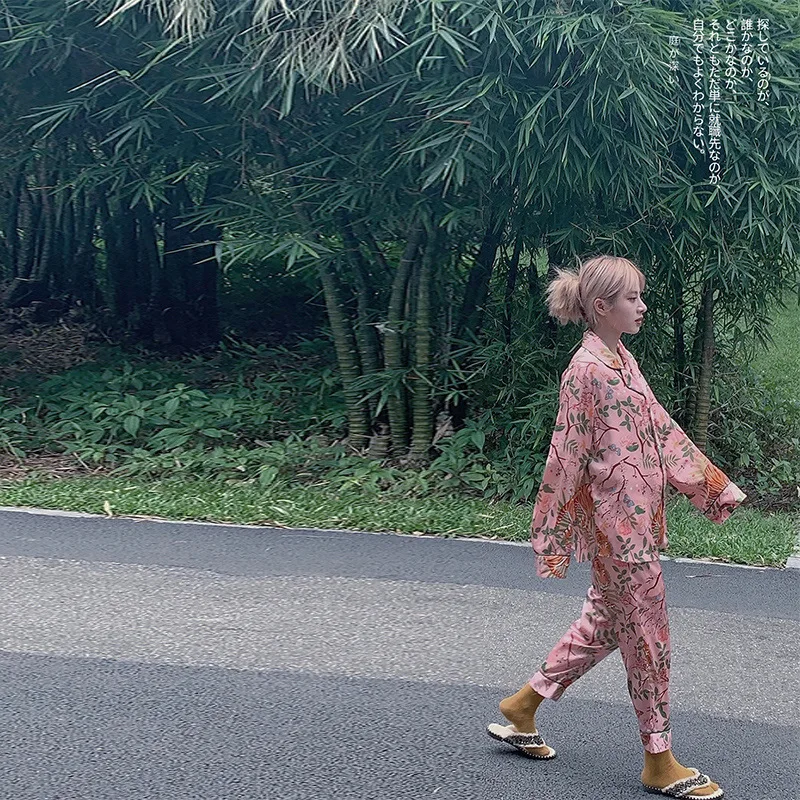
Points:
(600, 306)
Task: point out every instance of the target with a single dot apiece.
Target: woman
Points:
(602, 498)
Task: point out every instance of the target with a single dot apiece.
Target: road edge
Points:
(793, 562)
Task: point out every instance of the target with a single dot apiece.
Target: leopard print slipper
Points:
(521, 741)
(685, 786)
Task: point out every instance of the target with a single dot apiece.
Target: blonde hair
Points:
(571, 295)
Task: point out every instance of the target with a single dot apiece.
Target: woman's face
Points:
(627, 313)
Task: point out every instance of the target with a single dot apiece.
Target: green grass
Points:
(748, 537)
(780, 364)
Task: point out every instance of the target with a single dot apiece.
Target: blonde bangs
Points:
(634, 279)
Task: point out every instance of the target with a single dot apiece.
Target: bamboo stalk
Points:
(511, 284)
(393, 341)
(343, 337)
(706, 367)
(422, 398)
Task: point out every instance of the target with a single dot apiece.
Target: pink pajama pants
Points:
(625, 608)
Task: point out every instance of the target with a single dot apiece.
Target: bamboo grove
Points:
(420, 160)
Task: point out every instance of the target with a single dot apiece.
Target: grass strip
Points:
(779, 364)
(748, 537)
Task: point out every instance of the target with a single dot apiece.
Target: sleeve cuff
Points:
(552, 566)
(721, 508)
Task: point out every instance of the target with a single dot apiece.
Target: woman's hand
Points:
(730, 497)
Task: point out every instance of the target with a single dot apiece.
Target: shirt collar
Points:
(595, 345)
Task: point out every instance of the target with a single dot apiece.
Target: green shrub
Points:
(244, 396)
(270, 415)
(756, 430)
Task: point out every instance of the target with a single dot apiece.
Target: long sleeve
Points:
(708, 488)
(564, 500)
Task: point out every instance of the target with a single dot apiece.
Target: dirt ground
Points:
(43, 341)
(39, 341)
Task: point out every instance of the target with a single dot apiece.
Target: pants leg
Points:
(626, 608)
(587, 642)
(635, 594)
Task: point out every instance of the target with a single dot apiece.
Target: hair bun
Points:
(563, 297)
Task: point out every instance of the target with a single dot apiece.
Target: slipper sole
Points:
(714, 796)
(522, 750)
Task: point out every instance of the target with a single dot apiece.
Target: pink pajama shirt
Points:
(602, 499)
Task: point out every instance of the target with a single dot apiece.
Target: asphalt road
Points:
(141, 659)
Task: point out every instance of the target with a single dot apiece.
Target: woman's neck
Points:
(609, 336)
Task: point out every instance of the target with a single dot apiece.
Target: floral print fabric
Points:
(626, 609)
(613, 450)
